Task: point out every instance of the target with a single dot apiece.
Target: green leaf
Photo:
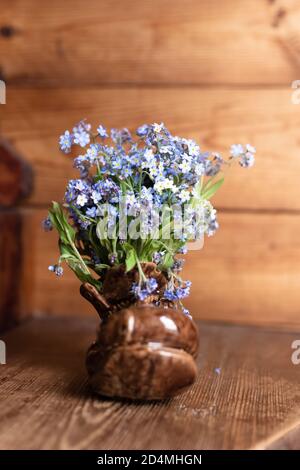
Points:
(211, 190)
(101, 229)
(130, 260)
(102, 266)
(60, 222)
(196, 199)
(67, 245)
(66, 250)
(167, 262)
(198, 188)
(123, 188)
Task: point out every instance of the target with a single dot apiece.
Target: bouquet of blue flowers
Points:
(137, 203)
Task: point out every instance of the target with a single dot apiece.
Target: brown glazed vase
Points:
(143, 351)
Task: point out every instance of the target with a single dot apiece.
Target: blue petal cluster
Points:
(175, 293)
(144, 289)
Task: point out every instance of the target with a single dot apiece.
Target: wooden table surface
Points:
(247, 394)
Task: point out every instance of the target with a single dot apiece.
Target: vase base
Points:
(144, 353)
(145, 373)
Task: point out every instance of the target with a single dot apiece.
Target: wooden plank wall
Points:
(217, 71)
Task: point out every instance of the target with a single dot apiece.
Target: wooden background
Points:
(217, 71)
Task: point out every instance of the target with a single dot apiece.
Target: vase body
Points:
(143, 350)
(143, 353)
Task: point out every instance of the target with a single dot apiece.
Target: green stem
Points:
(141, 272)
(78, 255)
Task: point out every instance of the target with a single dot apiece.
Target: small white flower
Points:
(190, 211)
(250, 148)
(185, 166)
(81, 200)
(236, 150)
(91, 154)
(157, 172)
(184, 195)
(81, 138)
(153, 172)
(130, 199)
(159, 186)
(158, 127)
(79, 185)
(165, 149)
(169, 184)
(149, 158)
(148, 154)
(96, 196)
(65, 142)
(102, 131)
(194, 149)
(199, 169)
(247, 160)
(187, 157)
(163, 184)
(135, 160)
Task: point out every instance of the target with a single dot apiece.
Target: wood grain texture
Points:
(248, 273)
(288, 438)
(216, 118)
(46, 404)
(15, 176)
(150, 42)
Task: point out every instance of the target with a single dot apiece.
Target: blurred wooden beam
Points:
(15, 176)
(10, 267)
(15, 184)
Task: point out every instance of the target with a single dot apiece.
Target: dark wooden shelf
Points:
(247, 394)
